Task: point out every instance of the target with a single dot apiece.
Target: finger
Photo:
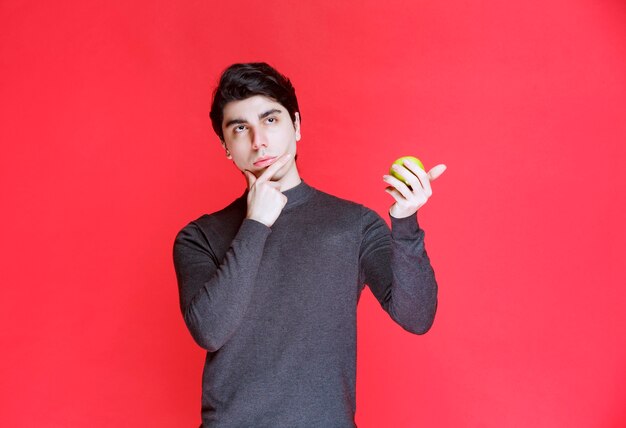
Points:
(250, 178)
(398, 185)
(393, 192)
(421, 180)
(271, 170)
(421, 175)
(436, 171)
(410, 178)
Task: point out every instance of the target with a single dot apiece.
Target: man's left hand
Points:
(410, 198)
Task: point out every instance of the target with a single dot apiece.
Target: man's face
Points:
(257, 130)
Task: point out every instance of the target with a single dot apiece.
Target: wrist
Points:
(399, 213)
(258, 219)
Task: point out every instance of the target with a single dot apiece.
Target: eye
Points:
(238, 129)
(271, 120)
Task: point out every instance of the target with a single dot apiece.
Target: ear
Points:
(296, 125)
(228, 155)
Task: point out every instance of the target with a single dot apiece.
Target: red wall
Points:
(107, 152)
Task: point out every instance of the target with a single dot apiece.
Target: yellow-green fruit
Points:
(401, 163)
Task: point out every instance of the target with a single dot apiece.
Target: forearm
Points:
(213, 296)
(396, 267)
(412, 301)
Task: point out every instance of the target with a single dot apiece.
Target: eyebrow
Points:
(263, 115)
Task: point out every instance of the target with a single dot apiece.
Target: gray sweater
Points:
(276, 307)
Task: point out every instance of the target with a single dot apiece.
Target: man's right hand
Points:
(265, 201)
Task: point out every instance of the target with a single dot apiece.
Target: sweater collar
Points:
(298, 195)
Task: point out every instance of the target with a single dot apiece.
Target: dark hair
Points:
(241, 81)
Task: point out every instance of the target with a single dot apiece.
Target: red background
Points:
(107, 152)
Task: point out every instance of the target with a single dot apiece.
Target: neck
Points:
(290, 180)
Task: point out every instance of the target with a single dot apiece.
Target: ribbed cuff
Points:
(404, 227)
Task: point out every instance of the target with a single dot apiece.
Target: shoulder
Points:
(233, 213)
(210, 227)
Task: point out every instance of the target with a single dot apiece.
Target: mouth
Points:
(265, 161)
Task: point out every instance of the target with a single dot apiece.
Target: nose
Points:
(258, 139)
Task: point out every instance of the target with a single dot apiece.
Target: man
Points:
(269, 285)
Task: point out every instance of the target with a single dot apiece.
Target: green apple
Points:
(401, 163)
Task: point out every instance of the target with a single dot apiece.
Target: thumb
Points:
(250, 178)
(436, 171)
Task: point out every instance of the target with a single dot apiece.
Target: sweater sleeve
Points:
(214, 294)
(397, 269)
